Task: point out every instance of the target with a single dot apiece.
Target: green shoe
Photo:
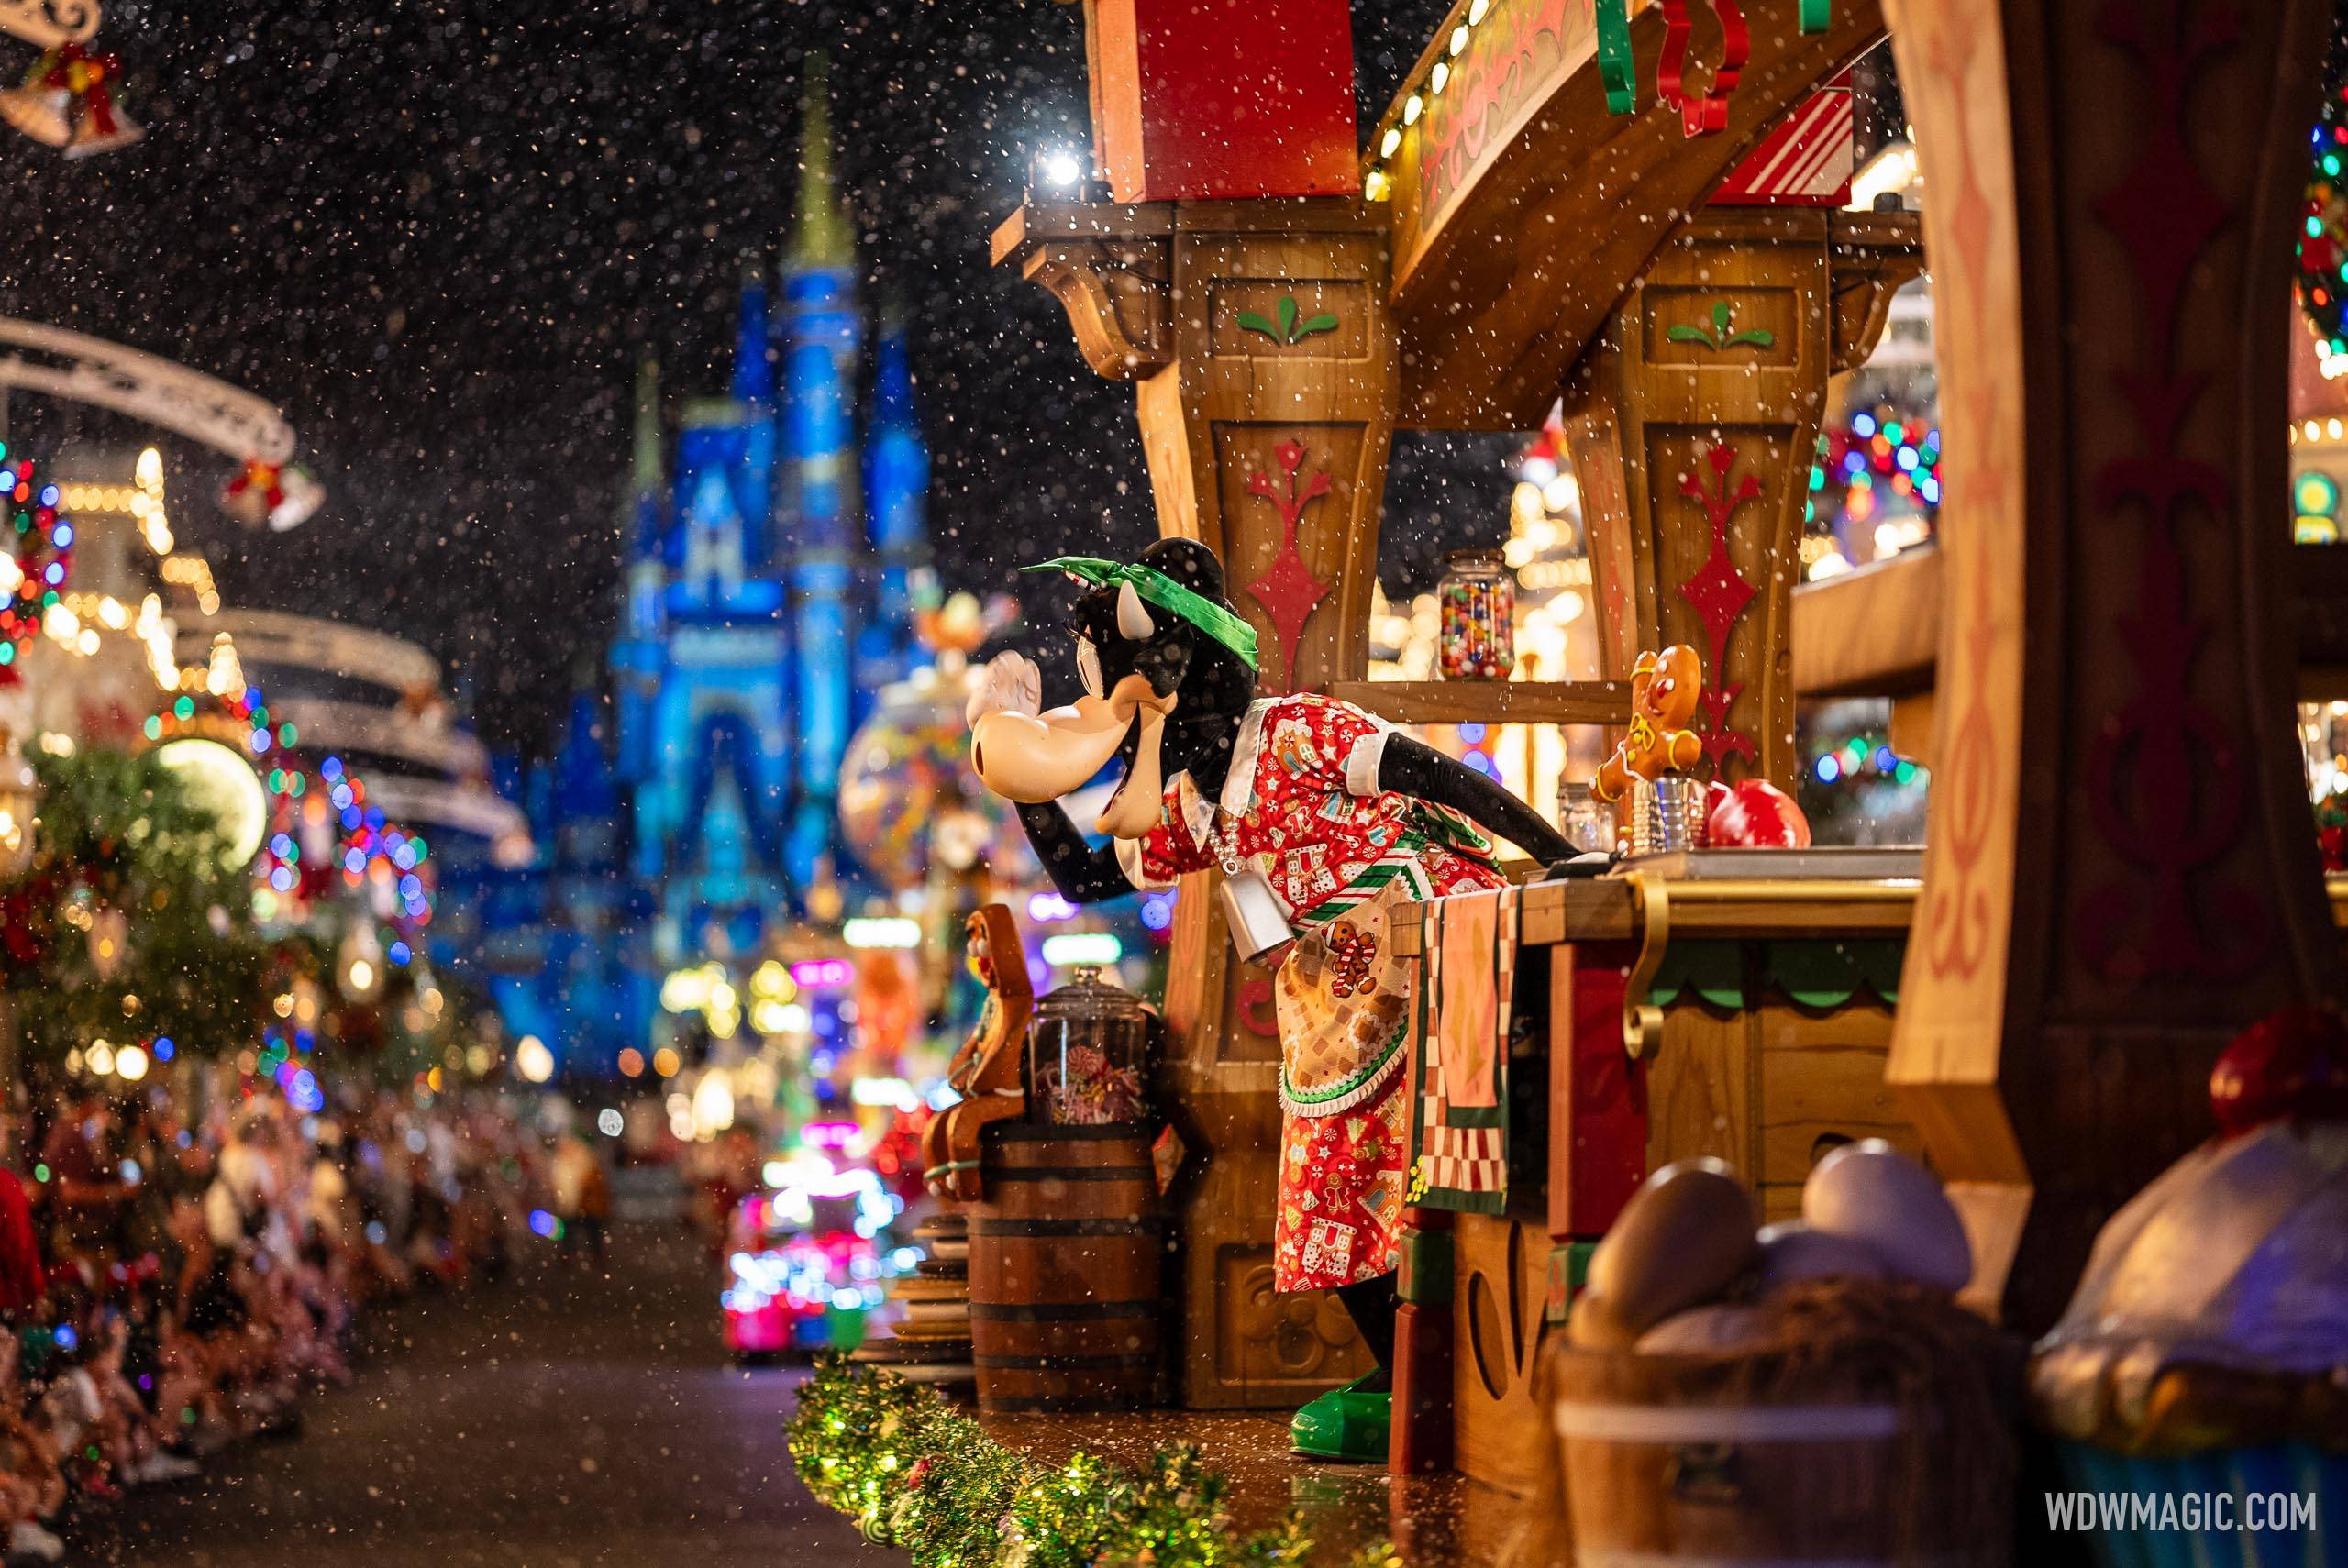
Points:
(1344, 1424)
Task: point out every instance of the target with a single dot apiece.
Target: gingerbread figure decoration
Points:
(988, 1071)
(1665, 688)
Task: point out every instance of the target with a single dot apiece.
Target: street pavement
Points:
(561, 1420)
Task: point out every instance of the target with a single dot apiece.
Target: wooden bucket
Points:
(1065, 1256)
(1663, 1462)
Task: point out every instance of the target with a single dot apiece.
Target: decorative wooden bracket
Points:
(1111, 269)
(1651, 912)
(1873, 254)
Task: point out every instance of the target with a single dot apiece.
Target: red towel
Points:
(22, 1279)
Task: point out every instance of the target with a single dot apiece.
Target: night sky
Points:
(438, 233)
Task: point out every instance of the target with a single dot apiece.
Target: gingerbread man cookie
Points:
(1663, 691)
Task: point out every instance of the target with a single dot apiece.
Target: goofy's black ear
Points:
(1188, 563)
(1165, 663)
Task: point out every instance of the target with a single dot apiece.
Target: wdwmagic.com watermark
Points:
(2216, 1512)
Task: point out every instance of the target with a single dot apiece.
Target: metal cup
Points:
(1257, 918)
(1666, 815)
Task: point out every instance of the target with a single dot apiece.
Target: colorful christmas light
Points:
(1879, 453)
(37, 560)
(321, 830)
(2323, 229)
(1859, 758)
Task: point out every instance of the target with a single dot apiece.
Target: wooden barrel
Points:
(1065, 1254)
(1668, 1460)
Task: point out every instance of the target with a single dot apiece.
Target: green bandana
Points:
(1162, 591)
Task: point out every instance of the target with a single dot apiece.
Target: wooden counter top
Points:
(1606, 909)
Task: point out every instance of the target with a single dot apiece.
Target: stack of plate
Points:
(931, 1344)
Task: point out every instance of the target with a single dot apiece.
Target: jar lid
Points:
(1090, 996)
(1485, 556)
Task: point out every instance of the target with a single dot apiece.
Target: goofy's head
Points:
(1167, 667)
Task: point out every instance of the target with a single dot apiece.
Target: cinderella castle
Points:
(771, 552)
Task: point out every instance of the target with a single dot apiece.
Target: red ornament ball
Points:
(2293, 1062)
(1754, 813)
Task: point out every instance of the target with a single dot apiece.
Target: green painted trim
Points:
(1824, 975)
(1456, 1202)
(1617, 70)
(1818, 973)
(1429, 1268)
(1713, 970)
(1288, 331)
(1717, 337)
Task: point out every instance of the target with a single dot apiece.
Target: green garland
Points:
(915, 1473)
(116, 832)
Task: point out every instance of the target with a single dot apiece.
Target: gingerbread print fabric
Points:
(1287, 810)
(1303, 808)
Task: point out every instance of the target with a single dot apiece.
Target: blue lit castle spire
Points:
(767, 594)
(820, 334)
(703, 663)
(896, 490)
(637, 652)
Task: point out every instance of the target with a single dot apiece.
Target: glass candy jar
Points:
(1087, 1054)
(1476, 638)
(1587, 822)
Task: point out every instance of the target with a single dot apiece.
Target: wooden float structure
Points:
(1424, 289)
(2099, 656)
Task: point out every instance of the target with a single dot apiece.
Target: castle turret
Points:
(896, 492)
(820, 540)
(636, 655)
(709, 813)
(583, 805)
(753, 343)
(721, 541)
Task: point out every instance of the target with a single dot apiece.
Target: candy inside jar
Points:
(1476, 640)
(1087, 1054)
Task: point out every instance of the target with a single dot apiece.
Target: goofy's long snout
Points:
(1033, 758)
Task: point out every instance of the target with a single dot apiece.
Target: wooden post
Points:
(1693, 420)
(1419, 1437)
(2121, 872)
(1259, 338)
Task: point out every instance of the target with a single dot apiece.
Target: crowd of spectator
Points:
(180, 1263)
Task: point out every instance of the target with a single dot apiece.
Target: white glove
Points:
(1012, 685)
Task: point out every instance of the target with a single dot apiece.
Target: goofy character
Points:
(1324, 820)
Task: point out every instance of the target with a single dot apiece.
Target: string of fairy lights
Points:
(323, 828)
(33, 572)
(2323, 231)
(1376, 183)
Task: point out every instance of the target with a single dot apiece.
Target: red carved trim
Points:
(1255, 1012)
(1705, 113)
(1719, 593)
(2164, 784)
(1288, 590)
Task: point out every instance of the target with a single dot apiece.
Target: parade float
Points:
(1845, 1107)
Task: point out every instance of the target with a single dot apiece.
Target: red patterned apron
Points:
(1301, 806)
